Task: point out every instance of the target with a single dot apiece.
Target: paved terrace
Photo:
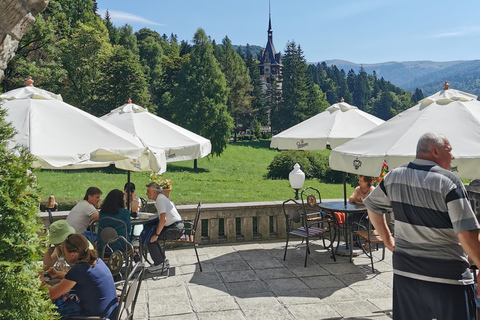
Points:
(251, 281)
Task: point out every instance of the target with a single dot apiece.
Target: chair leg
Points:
(371, 255)
(286, 246)
(198, 259)
(306, 253)
(331, 243)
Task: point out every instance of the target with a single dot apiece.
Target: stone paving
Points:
(252, 281)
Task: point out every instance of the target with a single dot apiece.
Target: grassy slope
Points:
(238, 175)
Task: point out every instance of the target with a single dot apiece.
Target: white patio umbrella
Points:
(452, 113)
(336, 125)
(159, 134)
(61, 136)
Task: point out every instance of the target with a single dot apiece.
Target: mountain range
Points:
(429, 76)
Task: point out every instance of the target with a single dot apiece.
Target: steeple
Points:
(270, 31)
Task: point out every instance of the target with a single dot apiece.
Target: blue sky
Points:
(360, 31)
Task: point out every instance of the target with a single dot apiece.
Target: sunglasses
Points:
(67, 240)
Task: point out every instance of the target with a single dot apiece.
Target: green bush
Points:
(284, 161)
(21, 296)
(313, 164)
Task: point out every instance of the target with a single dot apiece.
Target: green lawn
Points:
(238, 175)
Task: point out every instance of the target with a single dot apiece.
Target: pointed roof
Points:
(269, 55)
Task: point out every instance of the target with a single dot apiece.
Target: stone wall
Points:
(16, 17)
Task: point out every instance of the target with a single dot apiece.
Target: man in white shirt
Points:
(85, 211)
(169, 226)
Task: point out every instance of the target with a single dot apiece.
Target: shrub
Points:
(313, 164)
(284, 161)
(21, 296)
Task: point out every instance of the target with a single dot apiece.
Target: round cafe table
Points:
(347, 208)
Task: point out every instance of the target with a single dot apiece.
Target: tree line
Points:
(208, 88)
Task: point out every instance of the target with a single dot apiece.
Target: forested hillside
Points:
(212, 89)
(428, 76)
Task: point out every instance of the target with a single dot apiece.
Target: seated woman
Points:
(131, 198)
(53, 259)
(90, 279)
(52, 205)
(114, 206)
(365, 187)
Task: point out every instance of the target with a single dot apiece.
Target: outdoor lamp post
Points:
(297, 179)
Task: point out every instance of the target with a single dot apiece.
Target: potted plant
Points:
(166, 184)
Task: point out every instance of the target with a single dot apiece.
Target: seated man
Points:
(85, 211)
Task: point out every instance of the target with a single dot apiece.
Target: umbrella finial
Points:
(29, 82)
(446, 86)
(129, 100)
(342, 100)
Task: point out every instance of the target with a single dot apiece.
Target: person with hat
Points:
(59, 231)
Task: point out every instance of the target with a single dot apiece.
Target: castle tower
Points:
(270, 61)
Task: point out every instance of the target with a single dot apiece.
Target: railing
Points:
(227, 222)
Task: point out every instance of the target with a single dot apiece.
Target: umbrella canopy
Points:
(61, 136)
(336, 125)
(452, 113)
(159, 134)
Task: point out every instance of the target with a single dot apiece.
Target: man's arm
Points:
(94, 216)
(161, 224)
(380, 224)
(471, 245)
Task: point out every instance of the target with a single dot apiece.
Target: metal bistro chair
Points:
(365, 234)
(189, 233)
(315, 214)
(116, 258)
(294, 214)
(127, 291)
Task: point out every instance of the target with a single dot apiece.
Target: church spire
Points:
(270, 31)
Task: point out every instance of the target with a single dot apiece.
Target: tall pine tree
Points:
(199, 100)
(301, 98)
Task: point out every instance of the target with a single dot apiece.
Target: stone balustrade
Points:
(255, 220)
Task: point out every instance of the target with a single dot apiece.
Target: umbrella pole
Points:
(344, 188)
(128, 190)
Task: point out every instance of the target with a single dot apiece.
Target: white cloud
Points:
(119, 17)
(461, 32)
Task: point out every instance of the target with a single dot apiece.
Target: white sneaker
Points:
(159, 268)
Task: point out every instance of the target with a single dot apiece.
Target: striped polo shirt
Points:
(430, 206)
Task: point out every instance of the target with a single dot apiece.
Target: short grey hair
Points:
(429, 140)
(155, 186)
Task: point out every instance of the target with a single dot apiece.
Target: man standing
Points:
(170, 226)
(85, 211)
(435, 230)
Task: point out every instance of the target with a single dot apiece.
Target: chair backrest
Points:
(143, 206)
(309, 197)
(130, 289)
(292, 211)
(113, 225)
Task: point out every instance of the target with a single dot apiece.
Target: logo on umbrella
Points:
(301, 144)
(357, 163)
(170, 155)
